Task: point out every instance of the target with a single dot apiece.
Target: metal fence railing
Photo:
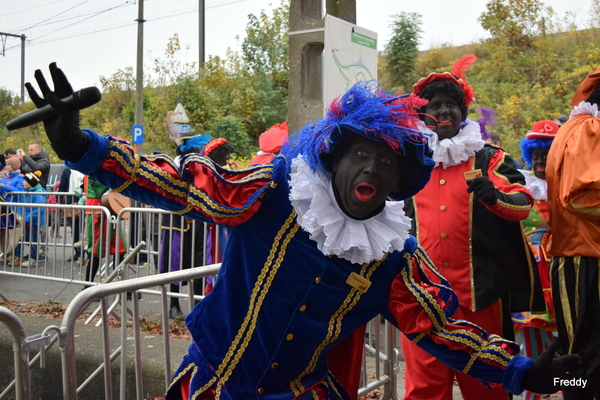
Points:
(159, 250)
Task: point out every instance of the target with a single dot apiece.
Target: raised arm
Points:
(199, 189)
(423, 312)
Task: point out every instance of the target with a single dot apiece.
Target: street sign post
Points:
(137, 136)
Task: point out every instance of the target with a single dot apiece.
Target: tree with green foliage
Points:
(516, 22)
(401, 51)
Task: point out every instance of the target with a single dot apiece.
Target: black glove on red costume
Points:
(540, 378)
(66, 138)
(484, 190)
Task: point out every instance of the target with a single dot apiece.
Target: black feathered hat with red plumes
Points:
(457, 76)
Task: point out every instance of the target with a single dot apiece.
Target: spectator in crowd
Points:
(494, 140)
(573, 176)
(10, 152)
(11, 229)
(316, 251)
(537, 329)
(32, 216)
(37, 160)
(466, 219)
(98, 226)
(270, 142)
(71, 181)
(12, 180)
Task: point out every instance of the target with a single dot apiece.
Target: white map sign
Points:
(349, 56)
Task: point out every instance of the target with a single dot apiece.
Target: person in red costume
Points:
(270, 142)
(466, 218)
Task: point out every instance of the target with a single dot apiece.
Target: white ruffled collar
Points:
(538, 187)
(457, 149)
(336, 233)
(585, 108)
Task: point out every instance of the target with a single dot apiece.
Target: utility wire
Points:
(33, 42)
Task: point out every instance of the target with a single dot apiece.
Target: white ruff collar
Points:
(585, 108)
(457, 149)
(538, 187)
(336, 233)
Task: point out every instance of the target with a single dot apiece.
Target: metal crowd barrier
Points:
(137, 266)
(80, 302)
(58, 262)
(22, 345)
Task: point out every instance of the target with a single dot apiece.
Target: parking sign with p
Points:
(137, 134)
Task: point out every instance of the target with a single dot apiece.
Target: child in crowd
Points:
(33, 216)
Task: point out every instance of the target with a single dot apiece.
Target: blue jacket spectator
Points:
(12, 180)
(33, 216)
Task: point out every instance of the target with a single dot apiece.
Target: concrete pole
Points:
(139, 75)
(22, 69)
(307, 37)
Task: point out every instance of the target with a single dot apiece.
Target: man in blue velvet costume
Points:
(315, 250)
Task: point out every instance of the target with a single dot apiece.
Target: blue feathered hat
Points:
(194, 141)
(540, 136)
(374, 114)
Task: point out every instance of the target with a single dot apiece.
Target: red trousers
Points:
(430, 379)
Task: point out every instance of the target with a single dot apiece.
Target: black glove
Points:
(484, 190)
(541, 376)
(67, 140)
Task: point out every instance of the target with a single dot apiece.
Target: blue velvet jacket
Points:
(279, 303)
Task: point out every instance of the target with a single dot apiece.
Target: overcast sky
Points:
(93, 38)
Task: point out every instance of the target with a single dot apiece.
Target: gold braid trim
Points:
(495, 172)
(413, 287)
(182, 374)
(261, 299)
(335, 324)
(333, 386)
(419, 337)
(513, 206)
(265, 277)
(249, 314)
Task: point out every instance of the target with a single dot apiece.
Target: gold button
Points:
(444, 236)
(442, 181)
(302, 308)
(538, 201)
(534, 220)
(534, 228)
(318, 279)
(443, 208)
(261, 390)
(289, 336)
(445, 265)
(274, 365)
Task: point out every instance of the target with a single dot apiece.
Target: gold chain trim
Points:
(248, 327)
(335, 321)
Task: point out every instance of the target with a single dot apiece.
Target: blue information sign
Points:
(137, 134)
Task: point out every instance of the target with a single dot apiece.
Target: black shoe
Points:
(176, 313)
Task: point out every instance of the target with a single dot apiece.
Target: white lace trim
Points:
(585, 108)
(538, 187)
(336, 233)
(457, 149)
